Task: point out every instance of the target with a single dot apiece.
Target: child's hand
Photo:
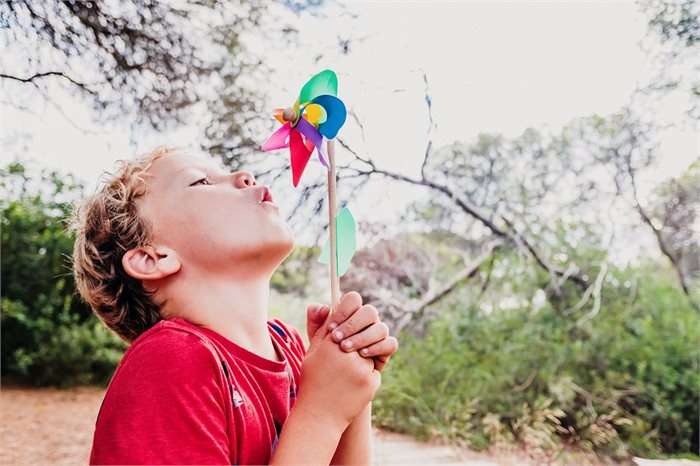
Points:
(335, 385)
(360, 329)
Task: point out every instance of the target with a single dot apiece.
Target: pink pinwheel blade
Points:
(299, 154)
(311, 133)
(278, 139)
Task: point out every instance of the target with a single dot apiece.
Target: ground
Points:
(48, 425)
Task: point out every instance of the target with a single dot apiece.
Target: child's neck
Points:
(236, 309)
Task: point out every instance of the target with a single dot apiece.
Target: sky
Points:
(491, 67)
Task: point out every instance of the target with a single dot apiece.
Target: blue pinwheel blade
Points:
(335, 115)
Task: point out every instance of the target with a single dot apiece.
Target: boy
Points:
(176, 257)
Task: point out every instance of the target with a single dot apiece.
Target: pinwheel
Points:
(317, 114)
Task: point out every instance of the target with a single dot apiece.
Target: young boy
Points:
(176, 257)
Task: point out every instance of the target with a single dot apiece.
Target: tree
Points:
(674, 217)
(141, 59)
(676, 25)
(624, 147)
(49, 336)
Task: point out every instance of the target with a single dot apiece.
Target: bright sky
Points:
(492, 67)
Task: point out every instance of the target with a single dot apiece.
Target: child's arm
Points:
(306, 439)
(361, 325)
(355, 446)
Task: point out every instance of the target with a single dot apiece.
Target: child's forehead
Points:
(172, 164)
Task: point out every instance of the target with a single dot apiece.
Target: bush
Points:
(623, 382)
(49, 337)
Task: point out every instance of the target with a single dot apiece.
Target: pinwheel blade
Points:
(335, 114)
(325, 82)
(315, 114)
(311, 133)
(346, 242)
(278, 139)
(299, 155)
(277, 113)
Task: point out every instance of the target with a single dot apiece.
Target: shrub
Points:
(623, 382)
(49, 337)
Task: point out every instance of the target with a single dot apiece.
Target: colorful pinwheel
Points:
(317, 114)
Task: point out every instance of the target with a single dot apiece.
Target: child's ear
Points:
(149, 263)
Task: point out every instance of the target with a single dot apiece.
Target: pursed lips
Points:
(266, 197)
(266, 194)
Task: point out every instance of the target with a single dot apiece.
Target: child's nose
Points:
(243, 180)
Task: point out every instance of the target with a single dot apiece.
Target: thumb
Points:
(316, 316)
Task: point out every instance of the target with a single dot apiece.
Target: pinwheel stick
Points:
(335, 285)
(290, 115)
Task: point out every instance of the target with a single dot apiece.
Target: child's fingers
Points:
(381, 352)
(349, 303)
(371, 335)
(364, 317)
(316, 315)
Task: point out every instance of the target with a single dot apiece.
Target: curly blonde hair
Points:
(106, 225)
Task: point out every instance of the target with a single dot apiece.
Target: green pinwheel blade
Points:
(345, 234)
(324, 83)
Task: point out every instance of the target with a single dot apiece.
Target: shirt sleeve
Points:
(165, 405)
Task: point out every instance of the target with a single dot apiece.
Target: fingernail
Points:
(332, 325)
(339, 335)
(364, 352)
(348, 344)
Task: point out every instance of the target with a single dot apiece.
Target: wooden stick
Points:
(335, 285)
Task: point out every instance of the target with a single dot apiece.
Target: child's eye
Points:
(204, 181)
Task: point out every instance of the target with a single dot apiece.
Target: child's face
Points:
(214, 220)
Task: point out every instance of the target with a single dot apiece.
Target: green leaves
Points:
(625, 382)
(49, 337)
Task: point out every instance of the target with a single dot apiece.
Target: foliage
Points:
(676, 26)
(622, 382)
(49, 337)
(675, 208)
(674, 20)
(151, 59)
(292, 276)
(388, 270)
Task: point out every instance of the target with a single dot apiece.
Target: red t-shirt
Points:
(184, 394)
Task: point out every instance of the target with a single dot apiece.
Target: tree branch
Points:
(462, 203)
(431, 124)
(473, 211)
(31, 79)
(433, 296)
(657, 232)
(597, 287)
(345, 146)
(554, 271)
(436, 295)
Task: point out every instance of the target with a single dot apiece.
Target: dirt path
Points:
(41, 426)
(52, 426)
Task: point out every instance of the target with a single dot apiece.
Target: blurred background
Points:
(525, 176)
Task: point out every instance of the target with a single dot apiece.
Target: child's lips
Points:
(266, 195)
(267, 198)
